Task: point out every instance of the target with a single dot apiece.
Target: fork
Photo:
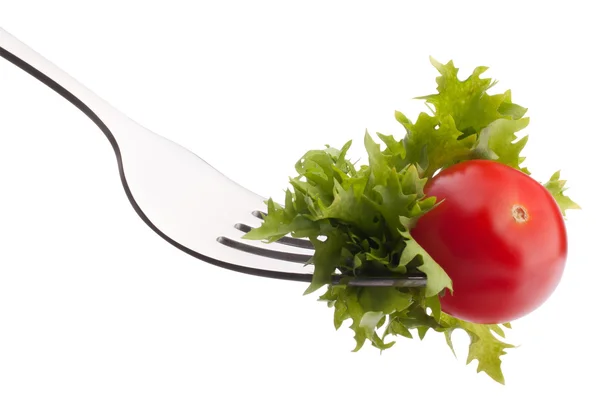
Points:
(166, 183)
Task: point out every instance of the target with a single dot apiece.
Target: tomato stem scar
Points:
(520, 214)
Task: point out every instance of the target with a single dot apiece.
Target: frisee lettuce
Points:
(366, 213)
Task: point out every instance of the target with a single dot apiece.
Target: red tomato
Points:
(500, 237)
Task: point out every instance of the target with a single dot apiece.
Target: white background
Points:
(95, 309)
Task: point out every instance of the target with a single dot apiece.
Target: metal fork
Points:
(166, 183)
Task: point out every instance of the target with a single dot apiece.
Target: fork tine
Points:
(283, 256)
(259, 214)
(417, 281)
(404, 281)
(293, 242)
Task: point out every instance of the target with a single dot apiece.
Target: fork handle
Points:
(58, 80)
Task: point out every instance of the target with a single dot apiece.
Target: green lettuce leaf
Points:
(556, 187)
(363, 213)
(468, 102)
(484, 346)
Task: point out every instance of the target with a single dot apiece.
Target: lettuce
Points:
(359, 219)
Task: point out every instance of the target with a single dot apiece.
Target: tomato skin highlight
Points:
(500, 237)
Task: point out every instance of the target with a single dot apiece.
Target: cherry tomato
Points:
(500, 237)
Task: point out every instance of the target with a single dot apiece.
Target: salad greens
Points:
(359, 219)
